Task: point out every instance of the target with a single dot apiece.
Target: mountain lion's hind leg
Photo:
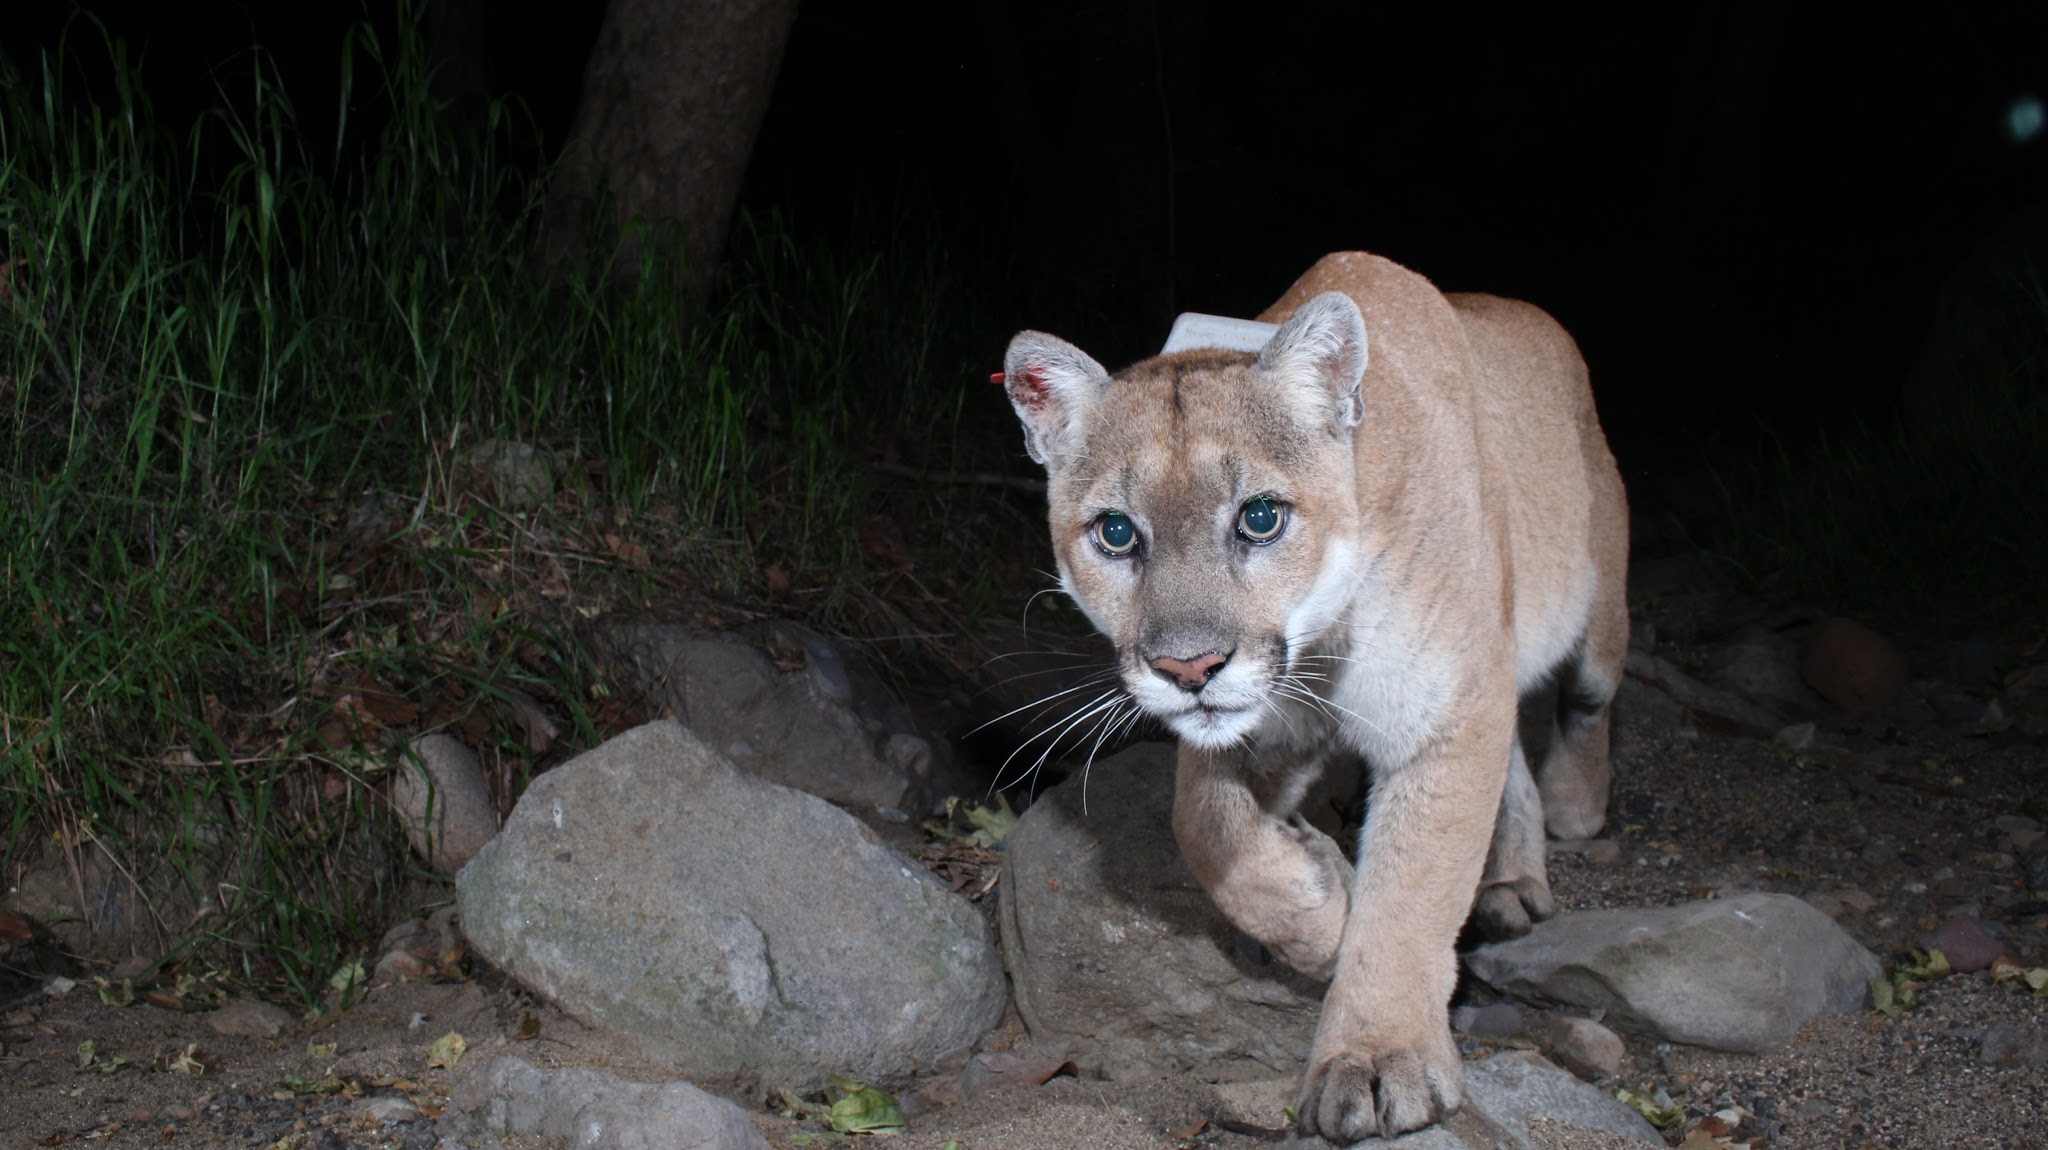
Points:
(1576, 772)
(1279, 880)
(1515, 891)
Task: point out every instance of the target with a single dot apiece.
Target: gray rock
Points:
(1672, 680)
(1116, 954)
(1494, 1020)
(441, 798)
(592, 1109)
(1797, 736)
(2013, 1044)
(831, 729)
(736, 927)
(1740, 973)
(1640, 707)
(1765, 669)
(517, 475)
(1505, 1095)
(249, 1018)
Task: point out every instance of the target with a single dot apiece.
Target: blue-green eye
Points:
(1260, 520)
(1115, 533)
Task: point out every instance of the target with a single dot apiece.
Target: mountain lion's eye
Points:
(1260, 520)
(1115, 533)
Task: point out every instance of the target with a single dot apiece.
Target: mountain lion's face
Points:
(1204, 514)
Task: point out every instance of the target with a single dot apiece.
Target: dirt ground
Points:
(1893, 829)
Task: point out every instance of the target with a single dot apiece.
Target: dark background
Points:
(1744, 212)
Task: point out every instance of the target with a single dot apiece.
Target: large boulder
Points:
(1117, 955)
(738, 928)
(815, 718)
(1741, 973)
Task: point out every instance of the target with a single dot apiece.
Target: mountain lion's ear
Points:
(1323, 342)
(1052, 384)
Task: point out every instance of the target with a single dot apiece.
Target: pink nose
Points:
(1190, 673)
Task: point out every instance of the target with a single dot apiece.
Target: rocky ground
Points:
(1897, 824)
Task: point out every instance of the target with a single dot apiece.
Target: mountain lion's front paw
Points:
(1355, 1091)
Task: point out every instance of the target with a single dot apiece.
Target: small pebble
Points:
(249, 1018)
(1583, 1046)
(387, 1108)
(1798, 736)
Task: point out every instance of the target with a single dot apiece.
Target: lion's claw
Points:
(1347, 1099)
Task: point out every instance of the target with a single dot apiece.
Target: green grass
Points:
(1931, 514)
(219, 346)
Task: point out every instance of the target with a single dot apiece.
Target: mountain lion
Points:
(1373, 535)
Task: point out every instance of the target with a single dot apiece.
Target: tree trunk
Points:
(672, 98)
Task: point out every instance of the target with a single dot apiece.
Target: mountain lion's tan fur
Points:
(1452, 536)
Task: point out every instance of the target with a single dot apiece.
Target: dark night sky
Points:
(1744, 212)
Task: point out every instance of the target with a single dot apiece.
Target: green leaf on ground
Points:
(328, 1083)
(186, 1061)
(348, 977)
(1934, 965)
(1645, 1103)
(89, 1058)
(863, 1109)
(446, 1051)
(991, 824)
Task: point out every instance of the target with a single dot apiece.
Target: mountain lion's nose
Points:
(1192, 674)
